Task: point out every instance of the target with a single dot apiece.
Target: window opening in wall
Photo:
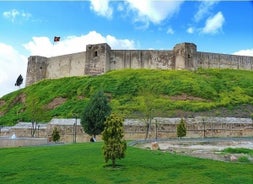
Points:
(41, 67)
(95, 53)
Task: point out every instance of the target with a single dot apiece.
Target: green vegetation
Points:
(56, 135)
(83, 163)
(95, 114)
(114, 145)
(247, 153)
(244, 159)
(171, 93)
(181, 129)
(238, 150)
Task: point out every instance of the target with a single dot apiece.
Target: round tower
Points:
(36, 69)
(185, 56)
(97, 58)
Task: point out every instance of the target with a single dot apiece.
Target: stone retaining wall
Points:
(72, 131)
(17, 142)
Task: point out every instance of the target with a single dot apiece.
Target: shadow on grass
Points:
(116, 167)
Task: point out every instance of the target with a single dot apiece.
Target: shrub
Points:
(181, 129)
(114, 145)
(56, 135)
(244, 159)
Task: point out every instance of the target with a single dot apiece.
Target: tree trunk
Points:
(147, 131)
(113, 162)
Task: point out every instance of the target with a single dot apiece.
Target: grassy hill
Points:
(170, 93)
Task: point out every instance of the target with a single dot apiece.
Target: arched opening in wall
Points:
(95, 54)
(41, 68)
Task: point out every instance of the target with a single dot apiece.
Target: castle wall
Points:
(120, 59)
(214, 60)
(185, 56)
(36, 69)
(99, 58)
(66, 66)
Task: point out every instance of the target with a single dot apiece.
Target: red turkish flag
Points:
(57, 39)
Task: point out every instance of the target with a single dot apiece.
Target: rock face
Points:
(100, 58)
(233, 158)
(154, 146)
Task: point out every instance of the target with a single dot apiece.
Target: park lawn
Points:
(84, 163)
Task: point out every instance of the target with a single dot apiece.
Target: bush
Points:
(56, 135)
(181, 129)
(244, 159)
(114, 145)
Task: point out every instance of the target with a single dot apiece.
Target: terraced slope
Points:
(166, 93)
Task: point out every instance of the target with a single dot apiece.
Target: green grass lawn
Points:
(84, 163)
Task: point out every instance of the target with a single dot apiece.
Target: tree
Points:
(56, 135)
(35, 113)
(181, 129)
(147, 108)
(95, 114)
(114, 146)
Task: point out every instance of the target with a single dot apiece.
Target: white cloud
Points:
(119, 43)
(12, 65)
(144, 12)
(170, 31)
(214, 24)
(204, 9)
(246, 52)
(44, 47)
(15, 15)
(101, 7)
(190, 30)
(153, 11)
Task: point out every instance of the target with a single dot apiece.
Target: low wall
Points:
(18, 142)
(72, 131)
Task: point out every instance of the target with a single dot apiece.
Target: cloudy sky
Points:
(28, 28)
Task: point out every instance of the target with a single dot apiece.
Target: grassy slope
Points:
(173, 93)
(83, 163)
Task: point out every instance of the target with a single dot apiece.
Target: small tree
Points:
(114, 146)
(147, 107)
(56, 135)
(95, 114)
(181, 129)
(35, 113)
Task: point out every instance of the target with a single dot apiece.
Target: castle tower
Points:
(36, 69)
(97, 59)
(185, 56)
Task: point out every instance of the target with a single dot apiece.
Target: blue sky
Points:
(27, 28)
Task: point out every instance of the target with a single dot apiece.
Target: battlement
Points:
(100, 58)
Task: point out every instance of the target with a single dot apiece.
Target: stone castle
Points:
(100, 58)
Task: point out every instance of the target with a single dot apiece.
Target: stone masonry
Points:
(100, 58)
(135, 129)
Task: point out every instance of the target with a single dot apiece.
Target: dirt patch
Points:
(185, 97)
(56, 102)
(2, 102)
(19, 99)
(204, 149)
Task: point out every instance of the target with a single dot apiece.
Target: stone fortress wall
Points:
(100, 58)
